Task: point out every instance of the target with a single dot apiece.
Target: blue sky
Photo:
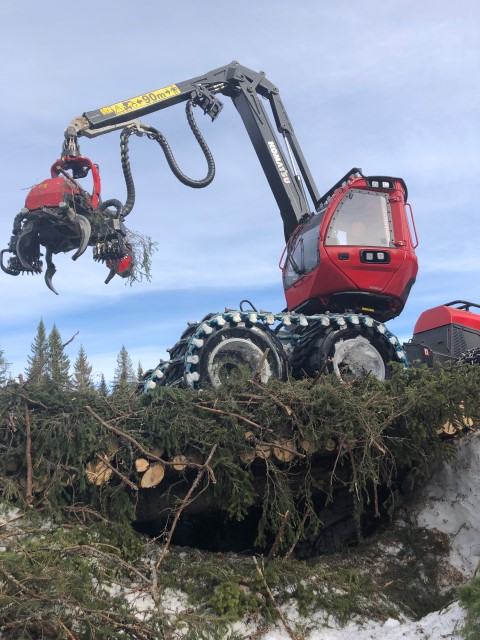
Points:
(389, 86)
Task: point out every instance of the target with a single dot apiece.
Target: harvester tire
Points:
(352, 352)
(234, 349)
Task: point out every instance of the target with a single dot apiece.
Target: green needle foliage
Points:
(470, 599)
(102, 388)
(37, 361)
(58, 363)
(4, 368)
(69, 583)
(82, 372)
(143, 248)
(124, 380)
(379, 430)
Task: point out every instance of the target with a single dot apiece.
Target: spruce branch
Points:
(285, 622)
(28, 459)
(186, 501)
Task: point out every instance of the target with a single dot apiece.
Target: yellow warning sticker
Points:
(140, 102)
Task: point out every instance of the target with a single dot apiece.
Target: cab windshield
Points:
(362, 218)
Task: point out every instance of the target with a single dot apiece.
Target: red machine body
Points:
(357, 253)
(49, 193)
(449, 330)
(446, 315)
(62, 187)
(61, 216)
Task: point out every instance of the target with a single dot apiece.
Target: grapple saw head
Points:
(61, 216)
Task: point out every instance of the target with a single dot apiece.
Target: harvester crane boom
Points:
(245, 88)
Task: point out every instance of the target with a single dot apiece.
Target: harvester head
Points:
(61, 216)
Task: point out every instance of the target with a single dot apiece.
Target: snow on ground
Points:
(449, 503)
(436, 626)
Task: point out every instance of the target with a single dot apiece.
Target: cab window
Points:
(304, 254)
(362, 218)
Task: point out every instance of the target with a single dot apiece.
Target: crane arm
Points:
(61, 216)
(245, 88)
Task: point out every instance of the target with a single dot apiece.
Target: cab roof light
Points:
(380, 183)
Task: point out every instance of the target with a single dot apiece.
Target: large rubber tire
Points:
(351, 353)
(237, 349)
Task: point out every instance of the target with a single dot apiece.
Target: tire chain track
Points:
(295, 331)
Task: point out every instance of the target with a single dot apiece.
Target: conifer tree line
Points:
(49, 364)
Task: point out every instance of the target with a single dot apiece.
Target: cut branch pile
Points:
(288, 452)
(286, 447)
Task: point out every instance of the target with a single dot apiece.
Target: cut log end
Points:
(248, 456)
(141, 465)
(330, 445)
(263, 451)
(98, 472)
(284, 450)
(152, 476)
(306, 446)
(464, 423)
(179, 463)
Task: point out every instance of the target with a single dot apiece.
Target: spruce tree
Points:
(139, 371)
(124, 381)
(82, 372)
(58, 363)
(4, 366)
(102, 387)
(37, 362)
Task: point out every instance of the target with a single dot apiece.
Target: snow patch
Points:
(449, 503)
(441, 625)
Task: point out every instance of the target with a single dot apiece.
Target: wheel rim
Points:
(234, 355)
(357, 358)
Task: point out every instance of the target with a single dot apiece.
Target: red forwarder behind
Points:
(449, 331)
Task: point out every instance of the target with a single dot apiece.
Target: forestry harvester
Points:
(348, 266)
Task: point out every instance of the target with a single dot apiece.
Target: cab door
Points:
(360, 240)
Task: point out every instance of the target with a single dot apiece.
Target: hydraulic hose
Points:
(113, 202)
(127, 173)
(155, 134)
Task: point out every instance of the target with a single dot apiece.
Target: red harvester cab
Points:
(356, 253)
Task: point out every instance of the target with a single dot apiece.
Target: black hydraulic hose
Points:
(122, 210)
(252, 307)
(113, 202)
(127, 173)
(154, 134)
